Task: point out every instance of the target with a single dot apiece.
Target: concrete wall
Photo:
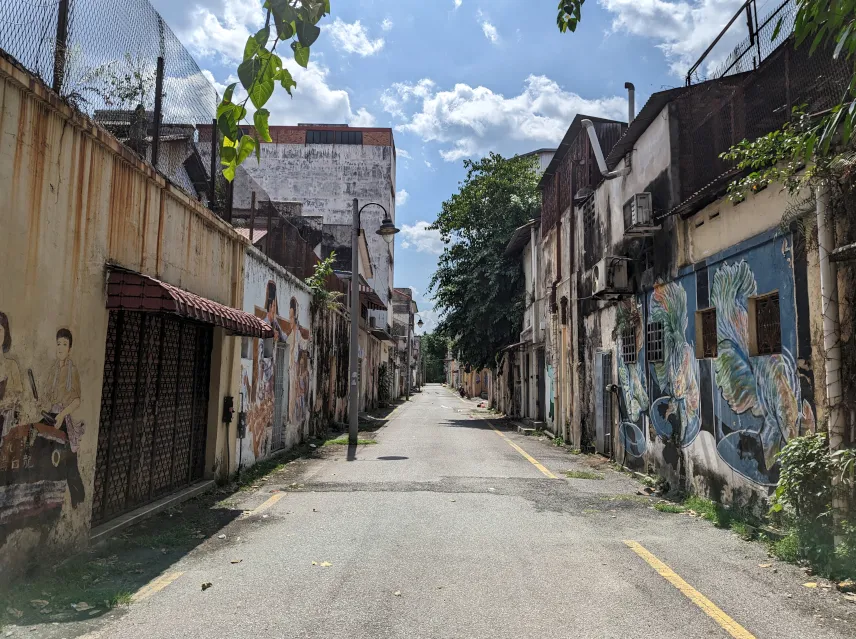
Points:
(326, 178)
(277, 297)
(75, 199)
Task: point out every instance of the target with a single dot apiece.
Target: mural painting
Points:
(675, 414)
(258, 380)
(762, 391)
(633, 398)
(753, 404)
(39, 436)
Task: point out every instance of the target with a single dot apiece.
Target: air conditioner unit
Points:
(610, 277)
(641, 209)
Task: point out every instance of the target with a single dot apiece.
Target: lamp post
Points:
(387, 230)
(420, 377)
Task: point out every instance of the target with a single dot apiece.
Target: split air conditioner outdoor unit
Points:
(639, 216)
(610, 277)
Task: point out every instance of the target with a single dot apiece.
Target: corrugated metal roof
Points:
(127, 290)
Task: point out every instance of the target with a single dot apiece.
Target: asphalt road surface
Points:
(447, 528)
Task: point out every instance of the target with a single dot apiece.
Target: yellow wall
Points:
(74, 200)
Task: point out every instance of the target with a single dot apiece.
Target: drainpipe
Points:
(831, 340)
(598, 153)
(631, 102)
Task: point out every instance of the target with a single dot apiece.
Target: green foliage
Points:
(787, 548)
(582, 474)
(343, 441)
(322, 297)
(717, 514)
(558, 441)
(434, 350)
(259, 73)
(665, 507)
(570, 14)
(805, 481)
(479, 290)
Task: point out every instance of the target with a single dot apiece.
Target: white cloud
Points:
(387, 24)
(363, 118)
(682, 29)
(429, 165)
(223, 33)
(422, 239)
(403, 154)
(353, 38)
(401, 197)
(471, 121)
(458, 3)
(490, 31)
(314, 99)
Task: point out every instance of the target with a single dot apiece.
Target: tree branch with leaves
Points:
(294, 21)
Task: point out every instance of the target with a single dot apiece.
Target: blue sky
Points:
(459, 78)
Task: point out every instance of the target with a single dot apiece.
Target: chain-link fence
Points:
(118, 62)
(746, 41)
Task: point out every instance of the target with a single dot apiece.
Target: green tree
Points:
(294, 21)
(478, 290)
(434, 350)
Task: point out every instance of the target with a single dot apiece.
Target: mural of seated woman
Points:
(38, 461)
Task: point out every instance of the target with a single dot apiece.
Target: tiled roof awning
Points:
(131, 291)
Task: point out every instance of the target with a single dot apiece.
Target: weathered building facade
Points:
(694, 322)
(322, 169)
(119, 322)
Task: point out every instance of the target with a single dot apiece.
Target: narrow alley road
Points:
(448, 528)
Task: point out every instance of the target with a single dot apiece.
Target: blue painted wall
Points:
(746, 407)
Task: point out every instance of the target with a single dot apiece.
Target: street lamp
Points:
(387, 230)
(420, 323)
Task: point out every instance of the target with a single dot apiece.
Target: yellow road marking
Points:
(526, 455)
(267, 504)
(708, 607)
(529, 457)
(156, 585)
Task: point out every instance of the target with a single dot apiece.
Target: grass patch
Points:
(787, 549)
(559, 441)
(715, 513)
(343, 441)
(743, 530)
(669, 508)
(582, 474)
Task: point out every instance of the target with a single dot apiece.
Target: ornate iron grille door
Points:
(154, 410)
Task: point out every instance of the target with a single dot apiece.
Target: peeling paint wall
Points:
(276, 395)
(326, 178)
(76, 200)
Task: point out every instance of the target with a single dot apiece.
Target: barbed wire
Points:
(107, 67)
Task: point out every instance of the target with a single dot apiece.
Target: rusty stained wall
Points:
(75, 199)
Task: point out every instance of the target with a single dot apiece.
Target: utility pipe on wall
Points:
(598, 153)
(836, 426)
(631, 102)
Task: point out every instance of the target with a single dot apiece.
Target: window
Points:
(656, 344)
(706, 335)
(765, 327)
(628, 344)
(564, 311)
(334, 137)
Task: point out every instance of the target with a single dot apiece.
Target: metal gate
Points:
(603, 402)
(154, 410)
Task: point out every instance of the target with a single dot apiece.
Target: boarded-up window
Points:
(707, 321)
(765, 319)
